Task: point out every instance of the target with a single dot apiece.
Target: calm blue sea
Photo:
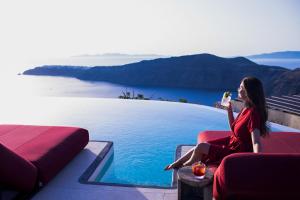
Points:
(71, 87)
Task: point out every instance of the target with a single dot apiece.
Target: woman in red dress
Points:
(247, 128)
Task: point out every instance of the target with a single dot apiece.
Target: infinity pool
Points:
(144, 133)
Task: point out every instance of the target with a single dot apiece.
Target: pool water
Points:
(145, 134)
(146, 138)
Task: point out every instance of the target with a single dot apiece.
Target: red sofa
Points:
(272, 174)
(31, 156)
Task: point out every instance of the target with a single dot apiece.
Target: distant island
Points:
(277, 55)
(200, 71)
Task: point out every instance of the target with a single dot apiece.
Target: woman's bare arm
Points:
(230, 115)
(255, 135)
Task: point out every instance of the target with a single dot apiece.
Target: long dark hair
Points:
(256, 97)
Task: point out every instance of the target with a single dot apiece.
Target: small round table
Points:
(190, 187)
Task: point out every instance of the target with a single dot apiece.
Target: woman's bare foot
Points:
(168, 167)
(173, 166)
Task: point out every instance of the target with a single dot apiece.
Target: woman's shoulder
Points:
(253, 111)
(247, 112)
(250, 111)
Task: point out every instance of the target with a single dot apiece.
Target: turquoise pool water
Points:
(145, 133)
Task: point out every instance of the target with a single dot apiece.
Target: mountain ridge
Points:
(199, 71)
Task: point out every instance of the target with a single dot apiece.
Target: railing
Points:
(290, 104)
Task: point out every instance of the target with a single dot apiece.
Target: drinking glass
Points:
(199, 169)
(226, 99)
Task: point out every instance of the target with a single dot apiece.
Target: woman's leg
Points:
(200, 150)
(178, 163)
(191, 154)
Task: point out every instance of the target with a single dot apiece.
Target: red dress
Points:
(240, 140)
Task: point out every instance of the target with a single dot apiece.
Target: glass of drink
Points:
(199, 169)
(226, 99)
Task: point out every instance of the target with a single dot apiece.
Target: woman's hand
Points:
(229, 107)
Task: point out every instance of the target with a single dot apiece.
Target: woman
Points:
(246, 129)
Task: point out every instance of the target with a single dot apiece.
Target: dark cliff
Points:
(203, 71)
(287, 83)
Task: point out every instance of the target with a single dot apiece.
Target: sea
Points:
(18, 85)
(25, 85)
(291, 63)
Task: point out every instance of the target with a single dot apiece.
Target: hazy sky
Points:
(59, 28)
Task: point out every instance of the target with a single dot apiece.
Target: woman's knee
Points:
(199, 146)
(202, 147)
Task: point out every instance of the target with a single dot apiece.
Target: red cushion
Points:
(15, 171)
(49, 148)
(281, 142)
(258, 176)
(251, 176)
(212, 135)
